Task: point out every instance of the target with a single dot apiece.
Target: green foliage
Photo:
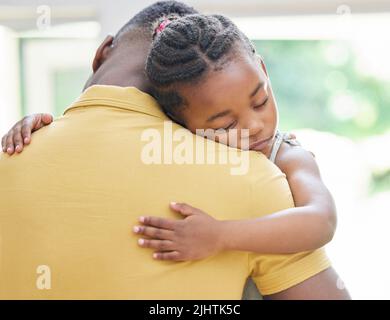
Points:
(327, 94)
(68, 85)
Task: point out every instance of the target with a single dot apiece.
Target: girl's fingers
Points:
(157, 222)
(26, 133)
(171, 255)
(183, 208)
(18, 140)
(34, 122)
(20, 134)
(155, 233)
(40, 120)
(160, 245)
(47, 118)
(9, 143)
(3, 144)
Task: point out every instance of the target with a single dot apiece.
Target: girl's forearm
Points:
(288, 231)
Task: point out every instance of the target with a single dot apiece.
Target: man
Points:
(70, 199)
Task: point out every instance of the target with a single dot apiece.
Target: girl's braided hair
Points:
(185, 49)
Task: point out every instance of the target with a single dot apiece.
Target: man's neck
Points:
(120, 77)
(131, 81)
(123, 70)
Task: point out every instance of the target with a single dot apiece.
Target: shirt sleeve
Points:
(273, 273)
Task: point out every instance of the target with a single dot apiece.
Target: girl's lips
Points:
(260, 145)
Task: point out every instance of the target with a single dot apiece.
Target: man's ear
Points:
(261, 62)
(102, 53)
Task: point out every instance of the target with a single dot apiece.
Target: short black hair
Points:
(145, 21)
(186, 50)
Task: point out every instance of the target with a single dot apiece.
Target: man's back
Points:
(69, 202)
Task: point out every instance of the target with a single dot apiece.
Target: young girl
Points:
(206, 75)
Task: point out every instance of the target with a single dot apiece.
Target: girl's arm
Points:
(308, 226)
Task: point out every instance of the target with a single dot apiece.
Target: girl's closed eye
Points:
(261, 104)
(229, 126)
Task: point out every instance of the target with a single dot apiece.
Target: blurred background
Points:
(330, 70)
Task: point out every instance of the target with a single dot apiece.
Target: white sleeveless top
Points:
(281, 137)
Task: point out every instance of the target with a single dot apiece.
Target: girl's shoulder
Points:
(281, 143)
(291, 154)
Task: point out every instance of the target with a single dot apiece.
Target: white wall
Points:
(42, 59)
(9, 79)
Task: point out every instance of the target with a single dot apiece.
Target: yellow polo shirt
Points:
(69, 201)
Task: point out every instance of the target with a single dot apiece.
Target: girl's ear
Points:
(261, 62)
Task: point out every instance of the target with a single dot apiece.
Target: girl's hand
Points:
(20, 134)
(197, 236)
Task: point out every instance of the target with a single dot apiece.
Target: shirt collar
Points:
(128, 98)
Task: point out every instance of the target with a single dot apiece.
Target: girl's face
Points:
(237, 97)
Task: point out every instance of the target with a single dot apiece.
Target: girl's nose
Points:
(255, 126)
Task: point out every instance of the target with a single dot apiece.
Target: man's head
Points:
(120, 60)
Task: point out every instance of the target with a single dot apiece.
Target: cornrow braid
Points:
(186, 50)
(144, 20)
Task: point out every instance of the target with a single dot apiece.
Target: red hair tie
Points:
(162, 26)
